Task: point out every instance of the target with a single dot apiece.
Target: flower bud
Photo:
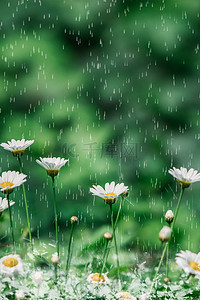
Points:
(55, 259)
(165, 234)
(108, 236)
(166, 280)
(38, 277)
(169, 216)
(74, 219)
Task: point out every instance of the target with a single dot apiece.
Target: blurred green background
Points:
(114, 87)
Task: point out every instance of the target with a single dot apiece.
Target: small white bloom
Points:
(184, 177)
(11, 265)
(144, 296)
(52, 164)
(17, 147)
(4, 204)
(169, 216)
(111, 191)
(11, 179)
(94, 277)
(19, 295)
(189, 262)
(165, 234)
(38, 277)
(125, 295)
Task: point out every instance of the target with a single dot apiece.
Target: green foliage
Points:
(80, 75)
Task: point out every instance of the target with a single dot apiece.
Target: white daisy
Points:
(11, 265)
(11, 179)
(17, 147)
(184, 177)
(94, 277)
(52, 164)
(189, 262)
(111, 191)
(125, 295)
(4, 204)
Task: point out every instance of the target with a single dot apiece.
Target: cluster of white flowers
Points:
(11, 265)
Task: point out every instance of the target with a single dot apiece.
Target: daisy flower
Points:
(111, 191)
(189, 262)
(52, 164)
(94, 277)
(184, 177)
(17, 147)
(11, 179)
(124, 295)
(11, 265)
(4, 204)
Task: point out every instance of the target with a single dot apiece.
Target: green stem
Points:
(160, 263)
(167, 260)
(56, 272)
(167, 244)
(104, 259)
(26, 206)
(118, 213)
(11, 224)
(116, 220)
(177, 208)
(115, 241)
(69, 256)
(55, 215)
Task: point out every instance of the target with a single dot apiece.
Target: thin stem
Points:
(116, 220)
(115, 241)
(69, 256)
(177, 207)
(167, 260)
(11, 224)
(160, 263)
(104, 259)
(26, 206)
(55, 215)
(167, 244)
(56, 272)
(118, 212)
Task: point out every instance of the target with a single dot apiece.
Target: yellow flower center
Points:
(111, 194)
(6, 184)
(95, 277)
(194, 265)
(18, 152)
(10, 262)
(125, 295)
